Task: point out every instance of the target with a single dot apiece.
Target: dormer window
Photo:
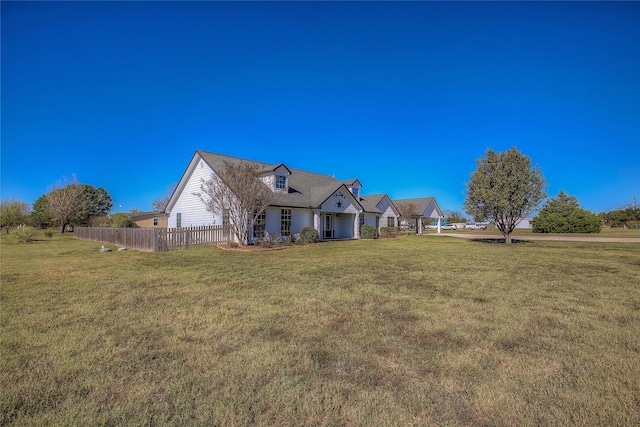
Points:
(281, 182)
(355, 191)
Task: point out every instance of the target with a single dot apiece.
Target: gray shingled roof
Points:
(306, 189)
(374, 199)
(421, 203)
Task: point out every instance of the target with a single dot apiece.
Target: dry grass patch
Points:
(411, 331)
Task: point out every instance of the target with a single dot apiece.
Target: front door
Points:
(327, 227)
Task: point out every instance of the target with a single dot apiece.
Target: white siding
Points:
(370, 219)
(431, 211)
(193, 211)
(387, 211)
(347, 203)
(273, 221)
(300, 218)
(343, 226)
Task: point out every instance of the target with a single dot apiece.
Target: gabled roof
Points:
(351, 181)
(306, 189)
(375, 199)
(421, 203)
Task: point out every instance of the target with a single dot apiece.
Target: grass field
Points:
(523, 232)
(414, 331)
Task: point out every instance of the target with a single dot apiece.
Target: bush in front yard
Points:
(23, 233)
(309, 235)
(389, 231)
(367, 231)
(121, 220)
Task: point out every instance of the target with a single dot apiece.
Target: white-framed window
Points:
(355, 191)
(285, 222)
(178, 220)
(155, 221)
(391, 221)
(281, 182)
(259, 226)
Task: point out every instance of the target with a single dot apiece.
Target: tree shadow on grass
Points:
(501, 241)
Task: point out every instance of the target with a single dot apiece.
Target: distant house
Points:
(149, 219)
(426, 208)
(332, 207)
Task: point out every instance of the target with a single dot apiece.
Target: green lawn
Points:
(414, 331)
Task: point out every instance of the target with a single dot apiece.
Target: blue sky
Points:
(404, 96)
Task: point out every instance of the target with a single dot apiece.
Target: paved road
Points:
(541, 237)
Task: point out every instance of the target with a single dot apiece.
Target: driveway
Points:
(541, 237)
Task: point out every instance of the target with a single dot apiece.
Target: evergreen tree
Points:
(564, 215)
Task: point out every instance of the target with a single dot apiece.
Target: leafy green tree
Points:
(622, 217)
(71, 203)
(504, 188)
(13, 213)
(96, 202)
(120, 220)
(41, 216)
(564, 215)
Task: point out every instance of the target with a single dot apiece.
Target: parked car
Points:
(475, 226)
(443, 226)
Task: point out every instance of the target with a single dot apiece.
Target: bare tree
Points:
(159, 204)
(407, 210)
(65, 201)
(453, 216)
(237, 194)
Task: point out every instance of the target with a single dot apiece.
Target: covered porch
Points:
(336, 225)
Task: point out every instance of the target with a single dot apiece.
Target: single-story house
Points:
(425, 208)
(149, 219)
(333, 207)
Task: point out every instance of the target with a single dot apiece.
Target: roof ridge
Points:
(237, 158)
(268, 164)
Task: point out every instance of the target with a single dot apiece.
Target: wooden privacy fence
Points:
(156, 239)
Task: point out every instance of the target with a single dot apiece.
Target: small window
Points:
(285, 222)
(281, 182)
(391, 221)
(178, 220)
(355, 191)
(225, 217)
(155, 221)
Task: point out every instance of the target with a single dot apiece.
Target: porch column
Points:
(316, 223)
(419, 225)
(356, 226)
(439, 229)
